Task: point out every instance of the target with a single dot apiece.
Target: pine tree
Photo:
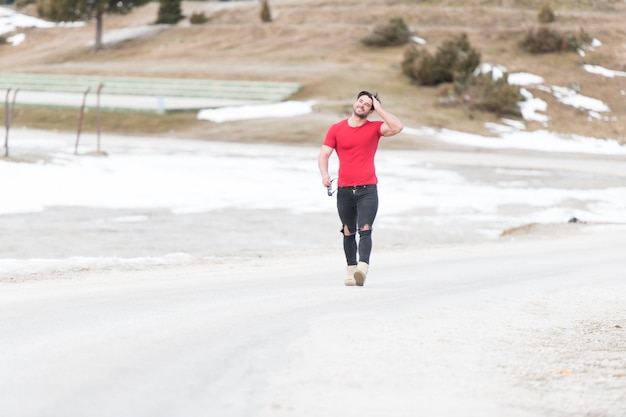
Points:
(77, 10)
(266, 15)
(170, 12)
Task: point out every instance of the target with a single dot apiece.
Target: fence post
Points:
(98, 114)
(6, 124)
(80, 120)
(8, 118)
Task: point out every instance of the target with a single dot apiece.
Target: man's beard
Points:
(359, 115)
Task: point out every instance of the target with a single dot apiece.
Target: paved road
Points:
(518, 328)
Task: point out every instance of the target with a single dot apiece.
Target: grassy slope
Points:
(316, 43)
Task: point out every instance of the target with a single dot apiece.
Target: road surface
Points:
(524, 327)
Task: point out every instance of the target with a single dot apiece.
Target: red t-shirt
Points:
(356, 148)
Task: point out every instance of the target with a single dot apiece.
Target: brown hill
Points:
(317, 43)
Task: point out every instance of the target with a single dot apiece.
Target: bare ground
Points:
(317, 43)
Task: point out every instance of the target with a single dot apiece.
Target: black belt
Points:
(355, 187)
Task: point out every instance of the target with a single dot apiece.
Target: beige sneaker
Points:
(350, 270)
(361, 273)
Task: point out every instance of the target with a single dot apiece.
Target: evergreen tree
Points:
(170, 12)
(77, 10)
(266, 14)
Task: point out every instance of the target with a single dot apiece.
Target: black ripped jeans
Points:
(357, 207)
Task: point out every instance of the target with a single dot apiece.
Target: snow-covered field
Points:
(189, 199)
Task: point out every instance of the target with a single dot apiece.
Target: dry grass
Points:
(317, 43)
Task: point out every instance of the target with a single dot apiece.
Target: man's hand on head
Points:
(375, 103)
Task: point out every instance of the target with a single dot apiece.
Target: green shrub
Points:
(393, 33)
(455, 63)
(198, 18)
(546, 15)
(499, 96)
(3, 39)
(455, 60)
(58, 10)
(427, 71)
(170, 12)
(412, 55)
(584, 38)
(544, 40)
(541, 41)
(23, 3)
(483, 93)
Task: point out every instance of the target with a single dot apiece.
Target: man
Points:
(355, 140)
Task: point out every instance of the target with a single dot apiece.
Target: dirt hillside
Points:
(317, 43)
